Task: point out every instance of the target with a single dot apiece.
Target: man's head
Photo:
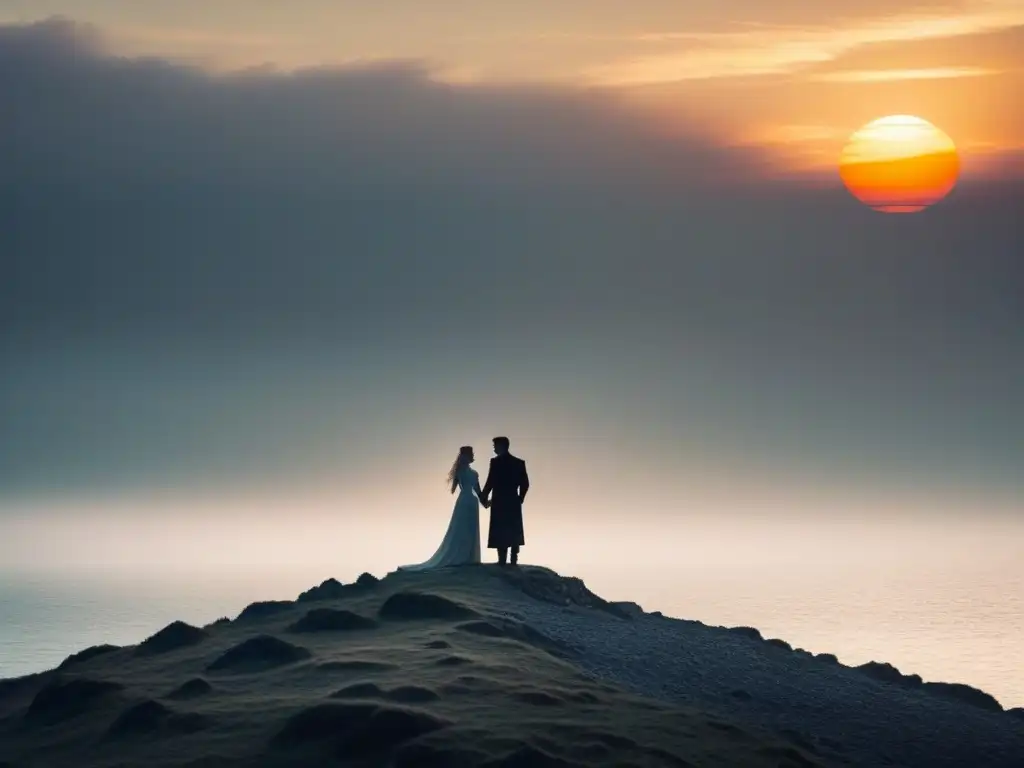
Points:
(501, 445)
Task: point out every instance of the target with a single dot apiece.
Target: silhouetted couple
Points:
(508, 482)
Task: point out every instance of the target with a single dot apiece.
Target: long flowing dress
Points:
(461, 543)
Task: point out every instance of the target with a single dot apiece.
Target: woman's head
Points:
(464, 459)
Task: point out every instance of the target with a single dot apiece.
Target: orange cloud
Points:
(890, 75)
(766, 50)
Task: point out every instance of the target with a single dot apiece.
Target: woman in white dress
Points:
(461, 544)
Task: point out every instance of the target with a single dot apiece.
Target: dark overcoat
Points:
(507, 482)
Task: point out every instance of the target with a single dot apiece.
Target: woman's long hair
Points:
(462, 460)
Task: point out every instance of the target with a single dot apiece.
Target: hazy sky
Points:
(579, 224)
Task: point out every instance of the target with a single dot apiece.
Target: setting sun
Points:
(899, 164)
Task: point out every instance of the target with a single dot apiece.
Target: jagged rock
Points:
(175, 635)
(332, 589)
(89, 653)
(367, 580)
(631, 609)
(543, 584)
(748, 632)
(263, 609)
(966, 694)
(887, 673)
(329, 589)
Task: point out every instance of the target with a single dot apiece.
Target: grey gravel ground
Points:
(836, 710)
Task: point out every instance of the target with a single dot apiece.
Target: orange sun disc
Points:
(899, 164)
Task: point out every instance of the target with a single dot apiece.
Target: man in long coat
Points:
(508, 480)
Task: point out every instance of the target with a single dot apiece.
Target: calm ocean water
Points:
(959, 622)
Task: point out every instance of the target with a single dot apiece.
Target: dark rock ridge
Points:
(259, 652)
(423, 606)
(332, 589)
(63, 699)
(632, 609)
(150, 718)
(546, 585)
(263, 609)
(367, 580)
(747, 632)
(331, 620)
(518, 631)
(364, 719)
(887, 673)
(175, 635)
(356, 729)
(964, 693)
(89, 653)
(18, 687)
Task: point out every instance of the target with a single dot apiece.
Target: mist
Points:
(256, 282)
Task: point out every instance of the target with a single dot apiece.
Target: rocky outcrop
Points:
(331, 620)
(264, 609)
(543, 584)
(258, 653)
(412, 606)
(89, 653)
(175, 635)
(332, 589)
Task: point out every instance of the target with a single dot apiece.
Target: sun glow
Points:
(899, 164)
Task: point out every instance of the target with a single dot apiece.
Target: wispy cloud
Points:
(887, 75)
(769, 50)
